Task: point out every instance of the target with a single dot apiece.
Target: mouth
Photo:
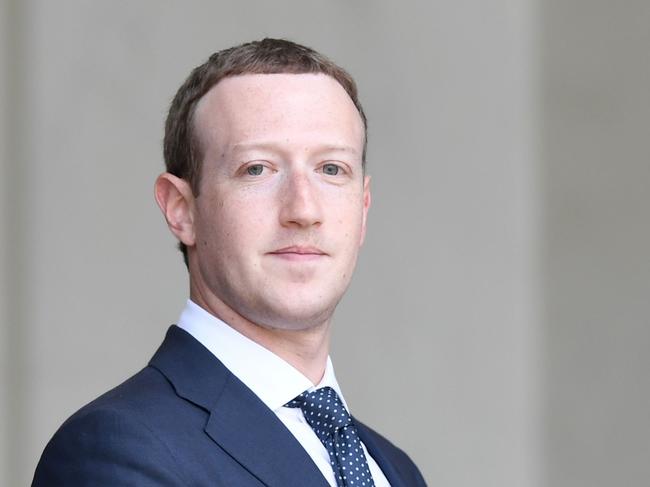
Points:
(299, 253)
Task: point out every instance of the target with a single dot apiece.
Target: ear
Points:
(176, 201)
(367, 200)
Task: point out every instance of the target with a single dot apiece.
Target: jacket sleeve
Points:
(106, 448)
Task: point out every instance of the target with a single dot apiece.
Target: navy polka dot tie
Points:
(333, 425)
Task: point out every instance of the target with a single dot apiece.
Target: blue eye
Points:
(255, 170)
(331, 169)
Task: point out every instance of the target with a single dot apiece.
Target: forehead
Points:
(292, 108)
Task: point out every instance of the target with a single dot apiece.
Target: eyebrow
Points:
(275, 147)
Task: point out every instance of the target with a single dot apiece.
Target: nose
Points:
(300, 202)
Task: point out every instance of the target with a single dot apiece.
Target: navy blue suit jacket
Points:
(186, 420)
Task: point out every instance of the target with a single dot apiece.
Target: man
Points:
(266, 192)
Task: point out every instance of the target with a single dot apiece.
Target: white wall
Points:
(596, 227)
(445, 299)
(13, 373)
(4, 218)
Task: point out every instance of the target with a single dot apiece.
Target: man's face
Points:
(282, 206)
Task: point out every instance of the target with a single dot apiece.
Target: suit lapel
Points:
(373, 444)
(249, 431)
(239, 422)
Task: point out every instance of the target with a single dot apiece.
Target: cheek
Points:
(240, 224)
(348, 213)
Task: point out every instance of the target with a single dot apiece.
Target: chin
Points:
(296, 316)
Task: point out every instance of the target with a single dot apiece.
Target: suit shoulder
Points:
(146, 399)
(115, 438)
(145, 387)
(106, 446)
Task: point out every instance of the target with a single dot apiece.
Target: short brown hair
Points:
(181, 147)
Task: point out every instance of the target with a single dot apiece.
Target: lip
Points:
(299, 253)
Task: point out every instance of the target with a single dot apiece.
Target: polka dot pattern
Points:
(333, 425)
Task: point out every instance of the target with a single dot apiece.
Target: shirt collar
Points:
(270, 377)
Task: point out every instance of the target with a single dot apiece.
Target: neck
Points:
(305, 349)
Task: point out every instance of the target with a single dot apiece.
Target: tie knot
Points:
(323, 410)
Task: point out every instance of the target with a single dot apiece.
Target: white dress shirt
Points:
(272, 379)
